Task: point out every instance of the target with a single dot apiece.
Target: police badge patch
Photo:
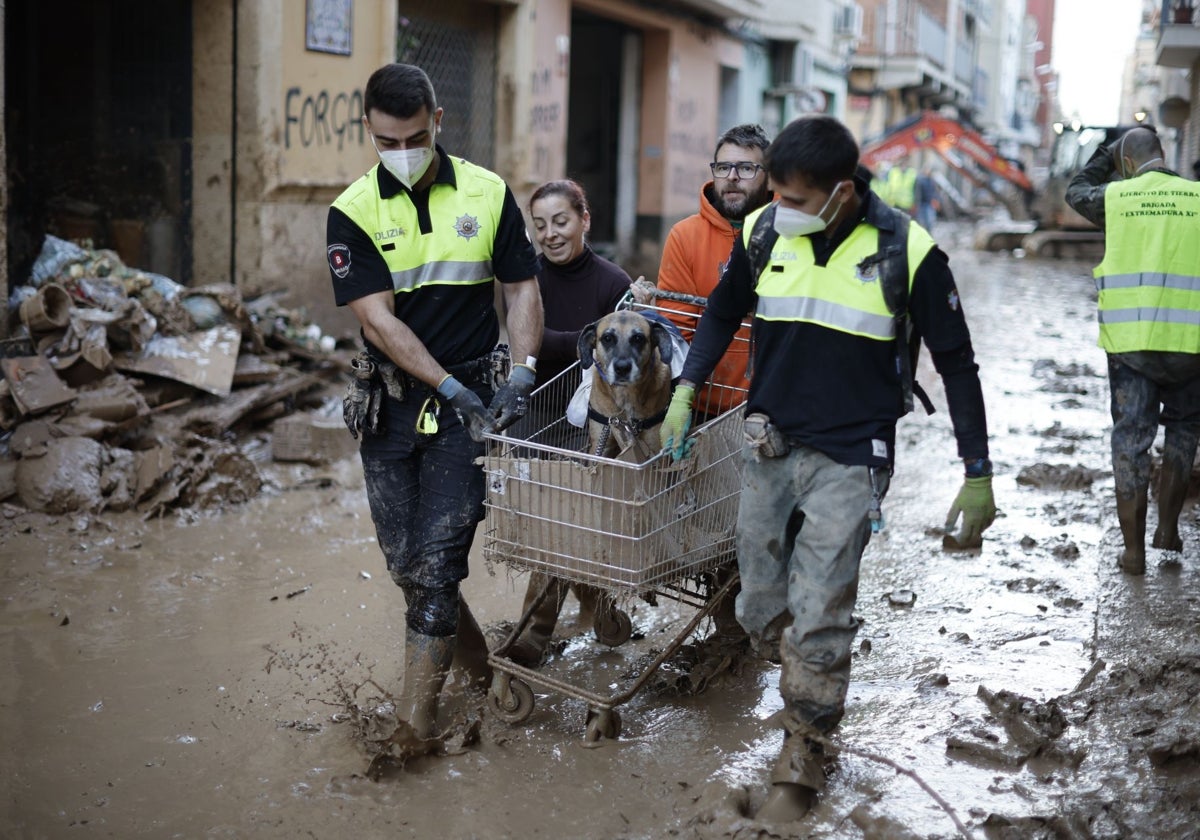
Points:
(339, 260)
(952, 299)
(467, 227)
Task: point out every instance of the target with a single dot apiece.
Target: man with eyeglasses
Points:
(695, 255)
(697, 248)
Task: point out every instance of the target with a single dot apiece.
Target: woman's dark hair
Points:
(818, 147)
(568, 189)
(399, 90)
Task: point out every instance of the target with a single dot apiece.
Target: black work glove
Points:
(512, 400)
(467, 406)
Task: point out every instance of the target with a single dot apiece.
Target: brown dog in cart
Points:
(639, 528)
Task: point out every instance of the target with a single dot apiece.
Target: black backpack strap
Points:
(892, 260)
(762, 241)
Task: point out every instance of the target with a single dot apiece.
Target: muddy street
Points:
(190, 676)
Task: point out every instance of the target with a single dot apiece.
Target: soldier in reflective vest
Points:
(1149, 314)
(825, 393)
(902, 187)
(415, 248)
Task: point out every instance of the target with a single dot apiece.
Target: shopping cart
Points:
(658, 528)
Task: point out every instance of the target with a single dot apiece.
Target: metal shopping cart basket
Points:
(630, 529)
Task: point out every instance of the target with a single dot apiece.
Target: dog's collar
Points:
(634, 425)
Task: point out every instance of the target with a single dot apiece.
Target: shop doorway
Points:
(98, 124)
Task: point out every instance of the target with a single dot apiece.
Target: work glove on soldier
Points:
(673, 431)
(512, 400)
(978, 508)
(467, 406)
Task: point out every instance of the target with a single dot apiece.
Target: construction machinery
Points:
(1040, 222)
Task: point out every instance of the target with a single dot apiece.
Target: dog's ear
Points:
(662, 339)
(587, 342)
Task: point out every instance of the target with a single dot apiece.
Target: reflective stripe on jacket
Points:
(1149, 279)
(838, 295)
(455, 255)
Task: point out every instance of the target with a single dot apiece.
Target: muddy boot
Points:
(471, 650)
(766, 645)
(1131, 513)
(530, 646)
(427, 661)
(725, 624)
(796, 779)
(1172, 488)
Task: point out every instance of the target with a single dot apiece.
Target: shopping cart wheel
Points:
(601, 724)
(517, 706)
(612, 627)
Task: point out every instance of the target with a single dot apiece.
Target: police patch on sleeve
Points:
(339, 260)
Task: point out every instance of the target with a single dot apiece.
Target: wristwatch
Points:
(977, 467)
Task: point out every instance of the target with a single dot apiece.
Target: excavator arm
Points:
(959, 146)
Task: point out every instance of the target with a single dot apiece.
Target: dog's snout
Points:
(622, 367)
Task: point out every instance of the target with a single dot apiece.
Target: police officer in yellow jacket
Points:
(825, 395)
(1149, 314)
(415, 247)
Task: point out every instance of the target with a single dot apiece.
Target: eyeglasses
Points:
(745, 170)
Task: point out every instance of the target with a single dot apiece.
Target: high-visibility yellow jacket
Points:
(1149, 279)
(837, 295)
(902, 187)
(458, 254)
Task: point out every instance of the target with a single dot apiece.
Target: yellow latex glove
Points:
(978, 508)
(674, 428)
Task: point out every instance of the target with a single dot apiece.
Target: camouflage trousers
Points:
(801, 531)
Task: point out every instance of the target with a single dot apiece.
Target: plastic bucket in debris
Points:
(49, 309)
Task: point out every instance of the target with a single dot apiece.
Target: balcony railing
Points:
(1179, 33)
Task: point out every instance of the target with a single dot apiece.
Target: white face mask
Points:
(790, 222)
(408, 165)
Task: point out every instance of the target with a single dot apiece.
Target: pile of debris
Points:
(123, 389)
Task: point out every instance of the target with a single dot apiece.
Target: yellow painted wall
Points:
(300, 143)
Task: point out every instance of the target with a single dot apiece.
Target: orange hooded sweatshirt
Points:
(693, 260)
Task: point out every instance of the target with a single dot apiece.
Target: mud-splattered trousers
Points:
(426, 496)
(1149, 388)
(801, 531)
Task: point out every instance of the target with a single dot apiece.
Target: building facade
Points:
(1174, 26)
(204, 139)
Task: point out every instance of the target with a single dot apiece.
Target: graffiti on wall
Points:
(322, 118)
(690, 145)
(545, 122)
